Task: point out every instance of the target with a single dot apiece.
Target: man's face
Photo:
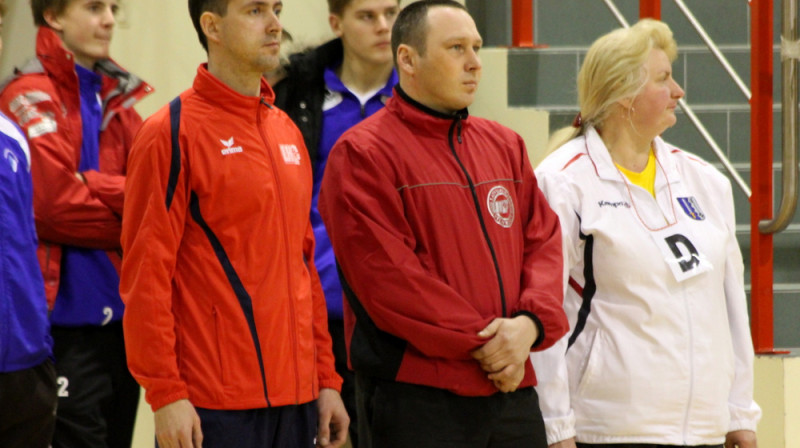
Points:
(86, 28)
(250, 34)
(365, 27)
(448, 73)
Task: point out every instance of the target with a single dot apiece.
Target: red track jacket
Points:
(44, 99)
(223, 303)
(439, 227)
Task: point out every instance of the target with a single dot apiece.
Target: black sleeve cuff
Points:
(536, 322)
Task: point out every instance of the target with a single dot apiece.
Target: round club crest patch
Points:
(501, 206)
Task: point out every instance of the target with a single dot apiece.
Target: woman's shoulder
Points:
(570, 157)
(693, 165)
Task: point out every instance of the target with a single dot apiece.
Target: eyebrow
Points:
(455, 39)
(261, 3)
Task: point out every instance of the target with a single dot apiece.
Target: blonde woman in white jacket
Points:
(659, 351)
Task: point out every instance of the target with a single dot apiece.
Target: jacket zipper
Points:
(286, 242)
(457, 126)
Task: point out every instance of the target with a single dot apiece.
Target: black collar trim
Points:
(461, 114)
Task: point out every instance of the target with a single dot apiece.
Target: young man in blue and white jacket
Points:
(326, 91)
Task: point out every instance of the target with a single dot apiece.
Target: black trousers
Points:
(641, 445)
(336, 329)
(28, 407)
(278, 427)
(97, 396)
(399, 415)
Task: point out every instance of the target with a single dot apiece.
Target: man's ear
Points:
(407, 58)
(53, 21)
(209, 23)
(335, 21)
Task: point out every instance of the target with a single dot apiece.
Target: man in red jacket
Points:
(450, 256)
(225, 317)
(76, 107)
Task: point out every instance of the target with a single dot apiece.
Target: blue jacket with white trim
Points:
(24, 330)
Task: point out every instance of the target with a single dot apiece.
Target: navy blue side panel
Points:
(372, 350)
(588, 289)
(175, 164)
(238, 288)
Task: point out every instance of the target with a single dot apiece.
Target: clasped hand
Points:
(507, 350)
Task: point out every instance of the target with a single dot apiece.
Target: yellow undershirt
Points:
(647, 178)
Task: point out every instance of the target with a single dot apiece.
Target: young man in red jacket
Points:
(76, 107)
(225, 319)
(450, 255)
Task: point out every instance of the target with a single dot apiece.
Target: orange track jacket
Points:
(223, 303)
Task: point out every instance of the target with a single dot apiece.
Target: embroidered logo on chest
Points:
(501, 206)
(291, 155)
(229, 148)
(692, 209)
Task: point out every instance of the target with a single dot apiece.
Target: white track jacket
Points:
(659, 347)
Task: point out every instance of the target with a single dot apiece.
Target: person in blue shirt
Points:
(326, 91)
(74, 105)
(27, 374)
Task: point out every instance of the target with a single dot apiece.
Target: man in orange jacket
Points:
(225, 320)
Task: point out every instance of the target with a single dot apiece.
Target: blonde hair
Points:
(613, 71)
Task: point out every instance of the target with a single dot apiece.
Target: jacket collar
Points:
(56, 60)
(311, 63)
(666, 168)
(422, 118)
(332, 82)
(221, 95)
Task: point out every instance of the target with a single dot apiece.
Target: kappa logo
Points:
(501, 206)
(291, 155)
(613, 204)
(229, 148)
(692, 209)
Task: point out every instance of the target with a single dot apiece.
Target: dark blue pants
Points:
(278, 427)
(399, 415)
(27, 407)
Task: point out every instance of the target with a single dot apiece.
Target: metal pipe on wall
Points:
(790, 53)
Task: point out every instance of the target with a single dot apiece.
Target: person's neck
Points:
(88, 64)
(626, 148)
(362, 77)
(245, 82)
(408, 89)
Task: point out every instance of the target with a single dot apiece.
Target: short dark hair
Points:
(411, 26)
(38, 8)
(337, 6)
(2, 8)
(197, 8)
